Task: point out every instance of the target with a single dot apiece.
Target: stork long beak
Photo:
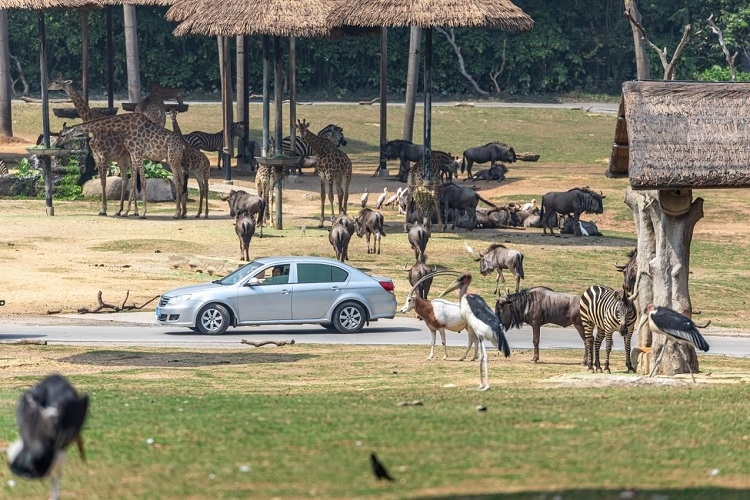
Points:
(79, 443)
(451, 287)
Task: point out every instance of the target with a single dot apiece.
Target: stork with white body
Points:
(393, 200)
(675, 327)
(365, 195)
(482, 322)
(381, 198)
(50, 417)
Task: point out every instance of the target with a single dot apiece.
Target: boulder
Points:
(156, 189)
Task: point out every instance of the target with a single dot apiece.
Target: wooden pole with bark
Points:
(641, 55)
(663, 273)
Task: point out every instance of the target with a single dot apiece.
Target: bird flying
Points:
(378, 469)
(50, 416)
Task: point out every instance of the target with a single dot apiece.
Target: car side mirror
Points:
(252, 282)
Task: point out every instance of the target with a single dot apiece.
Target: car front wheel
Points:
(349, 317)
(213, 320)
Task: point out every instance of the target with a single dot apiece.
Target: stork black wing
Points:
(378, 469)
(678, 326)
(483, 313)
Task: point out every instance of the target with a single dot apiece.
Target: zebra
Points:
(213, 142)
(332, 132)
(3, 168)
(606, 310)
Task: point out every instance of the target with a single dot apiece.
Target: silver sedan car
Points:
(282, 290)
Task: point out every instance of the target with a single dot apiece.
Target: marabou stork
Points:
(480, 321)
(50, 416)
(381, 198)
(393, 199)
(365, 195)
(675, 327)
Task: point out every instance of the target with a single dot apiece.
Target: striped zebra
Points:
(3, 168)
(332, 132)
(213, 142)
(606, 310)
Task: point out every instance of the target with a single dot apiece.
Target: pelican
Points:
(50, 416)
(675, 327)
(482, 322)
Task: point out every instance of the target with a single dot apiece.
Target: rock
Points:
(156, 189)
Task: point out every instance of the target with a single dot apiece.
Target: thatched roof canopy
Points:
(501, 14)
(688, 134)
(48, 4)
(302, 18)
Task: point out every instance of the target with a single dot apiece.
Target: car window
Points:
(240, 273)
(320, 273)
(274, 275)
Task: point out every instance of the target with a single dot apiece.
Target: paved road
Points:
(141, 329)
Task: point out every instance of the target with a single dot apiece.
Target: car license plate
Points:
(158, 312)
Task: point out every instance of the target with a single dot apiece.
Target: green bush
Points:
(69, 187)
(720, 74)
(155, 170)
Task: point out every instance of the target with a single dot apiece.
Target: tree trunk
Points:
(663, 272)
(6, 118)
(131, 53)
(641, 55)
(412, 80)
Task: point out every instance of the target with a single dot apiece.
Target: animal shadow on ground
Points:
(181, 359)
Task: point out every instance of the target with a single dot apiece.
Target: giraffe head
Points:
(59, 83)
(303, 127)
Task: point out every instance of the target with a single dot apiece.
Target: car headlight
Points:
(179, 299)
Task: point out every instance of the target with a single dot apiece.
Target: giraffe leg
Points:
(330, 196)
(103, 181)
(322, 201)
(124, 166)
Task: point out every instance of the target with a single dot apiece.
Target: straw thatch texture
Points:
(273, 17)
(48, 4)
(688, 134)
(501, 14)
(163, 3)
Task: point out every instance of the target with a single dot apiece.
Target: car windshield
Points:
(239, 274)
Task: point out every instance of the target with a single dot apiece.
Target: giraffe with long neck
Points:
(334, 167)
(142, 139)
(196, 163)
(117, 154)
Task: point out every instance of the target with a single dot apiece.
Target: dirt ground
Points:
(60, 263)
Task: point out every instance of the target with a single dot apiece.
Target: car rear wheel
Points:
(349, 317)
(213, 320)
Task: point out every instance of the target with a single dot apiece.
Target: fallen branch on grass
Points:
(113, 308)
(278, 343)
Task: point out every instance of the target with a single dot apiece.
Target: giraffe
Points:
(142, 139)
(118, 155)
(153, 104)
(428, 193)
(196, 163)
(334, 166)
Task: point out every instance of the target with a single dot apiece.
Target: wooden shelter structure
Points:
(428, 14)
(673, 137)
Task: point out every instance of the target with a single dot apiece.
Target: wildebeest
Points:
(242, 201)
(403, 150)
(418, 237)
(339, 238)
(346, 221)
(629, 271)
(492, 152)
(244, 226)
(539, 306)
(453, 197)
(586, 228)
(418, 271)
(499, 257)
(370, 222)
(494, 173)
(574, 201)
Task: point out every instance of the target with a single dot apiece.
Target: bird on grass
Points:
(381, 198)
(482, 322)
(365, 195)
(50, 417)
(378, 469)
(469, 249)
(393, 199)
(675, 327)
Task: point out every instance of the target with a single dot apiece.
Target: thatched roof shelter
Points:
(301, 18)
(687, 135)
(48, 4)
(501, 14)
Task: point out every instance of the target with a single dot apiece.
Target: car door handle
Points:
(285, 292)
(335, 288)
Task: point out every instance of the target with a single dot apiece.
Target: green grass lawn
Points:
(304, 419)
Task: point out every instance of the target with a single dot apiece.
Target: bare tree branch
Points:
(462, 68)
(21, 77)
(731, 59)
(495, 74)
(670, 67)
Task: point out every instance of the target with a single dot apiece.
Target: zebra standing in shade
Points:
(606, 310)
(3, 168)
(214, 142)
(332, 132)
